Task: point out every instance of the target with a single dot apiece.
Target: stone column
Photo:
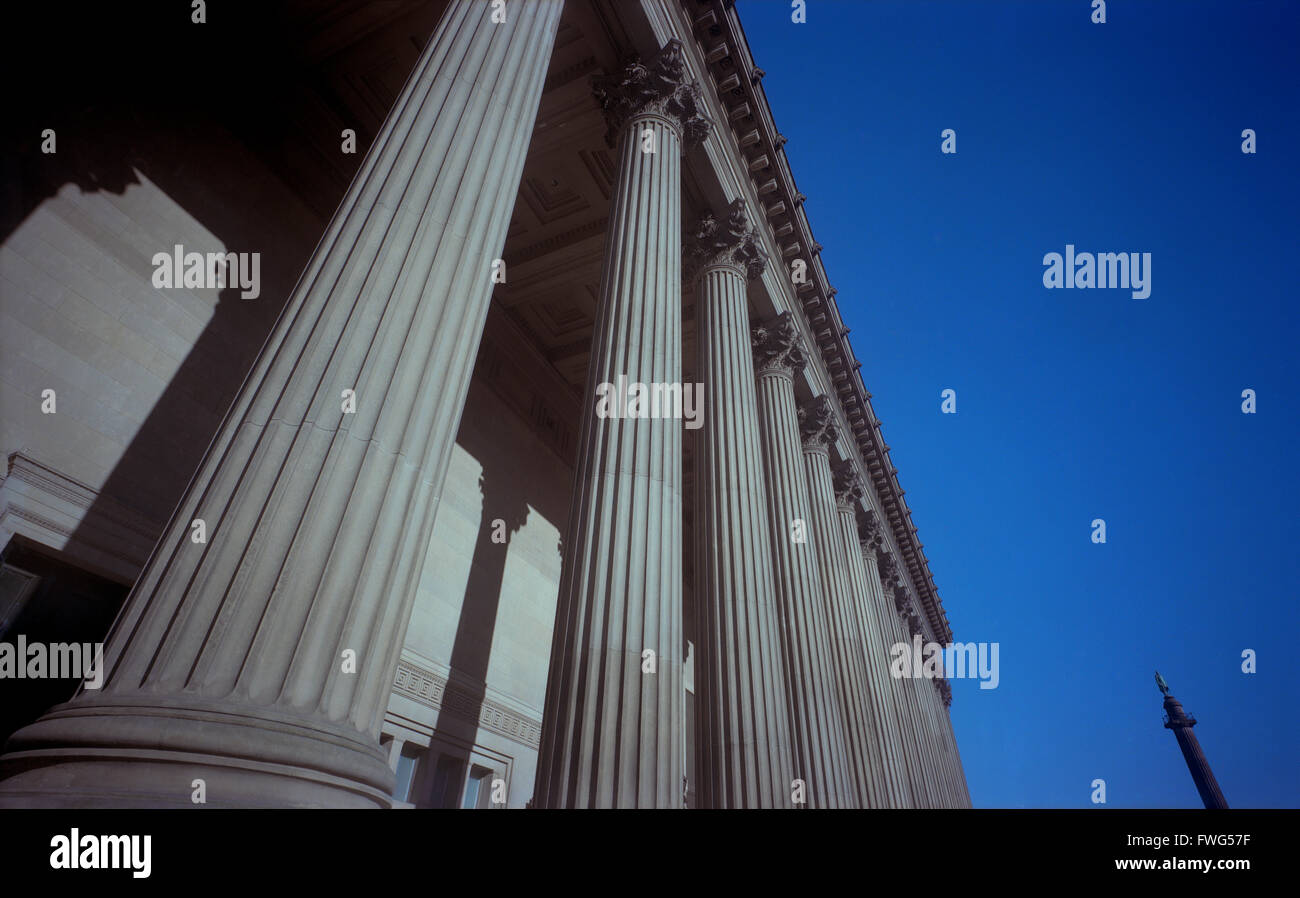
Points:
(816, 708)
(943, 747)
(819, 433)
(893, 603)
(848, 493)
(915, 695)
(612, 731)
(959, 774)
(262, 659)
(743, 734)
(882, 615)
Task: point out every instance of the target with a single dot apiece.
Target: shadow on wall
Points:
(510, 489)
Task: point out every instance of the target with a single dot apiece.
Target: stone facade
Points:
(434, 570)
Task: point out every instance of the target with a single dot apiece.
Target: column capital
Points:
(732, 242)
(870, 532)
(777, 345)
(888, 570)
(945, 690)
(848, 489)
(661, 87)
(817, 424)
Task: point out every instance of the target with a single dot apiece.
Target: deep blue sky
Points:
(1078, 404)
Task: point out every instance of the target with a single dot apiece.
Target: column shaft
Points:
(743, 737)
(228, 661)
(876, 663)
(846, 638)
(613, 727)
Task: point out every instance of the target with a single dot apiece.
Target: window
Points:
(407, 761)
(478, 789)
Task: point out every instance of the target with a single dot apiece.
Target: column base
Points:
(119, 753)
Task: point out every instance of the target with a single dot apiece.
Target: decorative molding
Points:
(777, 345)
(660, 87)
(733, 243)
(433, 690)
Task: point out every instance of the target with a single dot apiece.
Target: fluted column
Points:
(261, 657)
(959, 773)
(816, 706)
(943, 753)
(612, 730)
(923, 689)
(902, 629)
(882, 615)
(892, 629)
(875, 655)
(743, 737)
(819, 433)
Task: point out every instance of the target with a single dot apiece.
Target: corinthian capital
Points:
(848, 489)
(777, 345)
(817, 423)
(888, 569)
(901, 602)
(662, 87)
(945, 690)
(870, 532)
(732, 242)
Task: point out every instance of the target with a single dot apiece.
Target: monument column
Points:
(816, 708)
(819, 433)
(1181, 723)
(258, 648)
(743, 738)
(613, 727)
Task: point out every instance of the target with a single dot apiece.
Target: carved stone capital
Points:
(888, 569)
(848, 489)
(870, 531)
(661, 87)
(817, 423)
(945, 690)
(777, 345)
(733, 242)
(903, 603)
